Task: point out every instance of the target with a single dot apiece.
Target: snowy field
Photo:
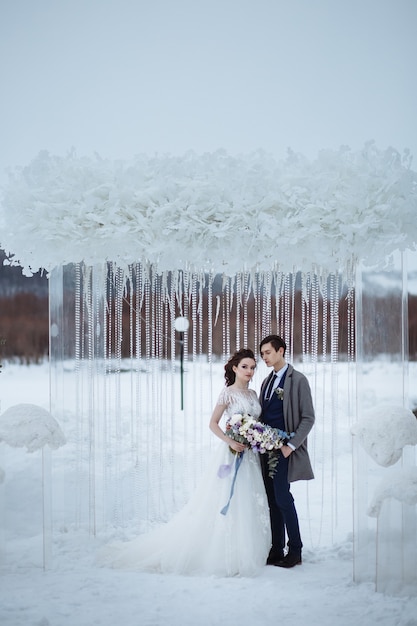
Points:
(75, 592)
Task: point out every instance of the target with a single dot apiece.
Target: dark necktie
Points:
(268, 391)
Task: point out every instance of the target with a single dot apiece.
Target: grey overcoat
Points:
(299, 418)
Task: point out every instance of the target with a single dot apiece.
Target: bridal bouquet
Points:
(259, 437)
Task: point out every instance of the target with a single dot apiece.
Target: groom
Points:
(286, 404)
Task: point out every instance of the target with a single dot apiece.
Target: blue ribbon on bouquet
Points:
(239, 458)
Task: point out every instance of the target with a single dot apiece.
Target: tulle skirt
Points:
(199, 539)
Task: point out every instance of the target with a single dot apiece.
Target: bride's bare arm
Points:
(215, 428)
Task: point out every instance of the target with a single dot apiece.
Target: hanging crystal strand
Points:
(154, 350)
(193, 394)
(309, 316)
(263, 304)
(117, 414)
(334, 352)
(141, 420)
(172, 432)
(209, 291)
(136, 362)
(187, 417)
(334, 316)
(325, 305)
(87, 392)
(155, 397)
(90, 434)
(201, 313)
(285, 308)
(165, 322)
(197, 397)
(161, 318)
(266, 310)
(315, 319)
(166, 329)
(99, 297)
(304, 315)
(186, 313)
(292, 326)
(149, 430)
(314, 336)
(351, 352)
(230, 309)
(108, 391)
(78, 393)
(246, 292)
(351, 314)
(224, 308)
(203, 398)
(163, 327)
(226, 317)
(238, 307)
(318, 434)
(194, 302)
(314, 333)
(130, 297)
(256, 304)
(321, 444)
(287, 313)
(278, 279)
(130, 416)
(210, 320)
(305, 329)
(98, 337)
(162, 399)
(158, 423)
(275, 325)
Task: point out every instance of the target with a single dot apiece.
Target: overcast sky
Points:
(121, 77)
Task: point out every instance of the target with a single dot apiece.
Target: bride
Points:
(224, 529)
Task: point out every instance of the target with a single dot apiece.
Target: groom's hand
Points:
(286, 451)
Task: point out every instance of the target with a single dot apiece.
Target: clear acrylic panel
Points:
(382, 380)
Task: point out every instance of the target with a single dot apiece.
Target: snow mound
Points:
(30, 426)
(384, 430)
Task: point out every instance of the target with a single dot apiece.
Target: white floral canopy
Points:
(212, 212)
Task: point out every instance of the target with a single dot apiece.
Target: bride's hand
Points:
(236, 446)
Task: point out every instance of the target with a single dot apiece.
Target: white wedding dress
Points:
(199, 539)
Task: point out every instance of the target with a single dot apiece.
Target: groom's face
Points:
(273, 358)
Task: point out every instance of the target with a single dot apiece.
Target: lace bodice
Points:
(239, 401)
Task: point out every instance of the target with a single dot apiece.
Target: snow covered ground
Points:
(75, 592)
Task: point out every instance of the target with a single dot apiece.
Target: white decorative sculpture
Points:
(32, 427)
(384, 430)
(383, 433)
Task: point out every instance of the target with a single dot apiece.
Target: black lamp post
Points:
(181, 325)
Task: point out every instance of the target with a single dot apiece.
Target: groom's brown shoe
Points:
(275, 557)
(290, 560)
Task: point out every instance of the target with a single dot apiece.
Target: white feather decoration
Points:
(212, 212)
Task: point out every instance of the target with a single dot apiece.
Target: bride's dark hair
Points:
(234, 361)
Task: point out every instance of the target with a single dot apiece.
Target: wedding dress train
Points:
(200, 539)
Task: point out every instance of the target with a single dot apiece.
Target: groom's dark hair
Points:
(276, 341)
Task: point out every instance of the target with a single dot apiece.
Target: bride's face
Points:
(245, 370)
